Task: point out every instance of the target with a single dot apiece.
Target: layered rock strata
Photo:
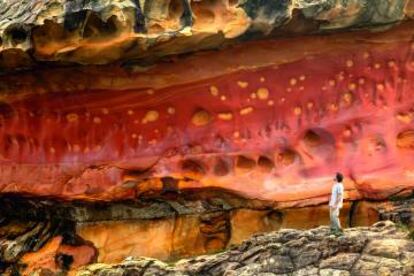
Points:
(99, 32)
(116, 142)
(382, 249)
(40, 234)
(271, 120)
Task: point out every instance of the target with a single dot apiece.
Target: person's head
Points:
(339, 177)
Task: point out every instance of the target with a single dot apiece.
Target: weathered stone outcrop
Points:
(382, 249)
(26, 246)
(400, 211)
(272, 120)
(104, 31)
(121, 139)
(37, 233)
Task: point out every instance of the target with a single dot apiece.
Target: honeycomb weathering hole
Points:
(96, 27)
(203, 16)
(221, 168)
(275, 217)
(193, 166)
(201, 117)
(134, 174)
(244, 162)
(287, 157)
(265, 163)
(405, 139)
(164, 15)
(175, 10)
(233, 3)
(17, 35)
(203, 13)
(312, 139)
(64, 261)
(317, 136)
(170, 129)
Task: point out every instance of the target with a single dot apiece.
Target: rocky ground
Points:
(382, 249)
(39, 235)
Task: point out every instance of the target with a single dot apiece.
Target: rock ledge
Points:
(383, 249)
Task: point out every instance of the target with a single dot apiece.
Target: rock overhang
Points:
(101, 32)
(148, 118)
(278, 113)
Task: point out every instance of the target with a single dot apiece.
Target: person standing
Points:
(335, 203)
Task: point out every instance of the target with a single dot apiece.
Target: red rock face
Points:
(276, 132)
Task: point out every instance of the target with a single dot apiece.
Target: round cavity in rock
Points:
(263, 93)
(96, 27)
(405, 139)
(203, 16)
(287, 157)
(64, 261)
(265, 163)
(193, 166)
(317, 136)
(176, 9)
(275, 218)
(164, 16)
(150, 116)
(17, 35)
(347, 98)
(311, 138)
(201, 118)
(221, 168)
(74, 19)
(244, 162)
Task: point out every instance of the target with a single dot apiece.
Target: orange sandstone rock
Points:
(284, 134)
(55, 256)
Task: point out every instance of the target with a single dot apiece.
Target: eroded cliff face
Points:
(98, 32)
(119, 137)
(270, 120)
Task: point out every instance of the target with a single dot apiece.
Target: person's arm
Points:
(339, 196)
(334, 196)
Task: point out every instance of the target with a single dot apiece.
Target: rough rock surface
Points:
(35, 233)
(276, 126)
(271, 120)
(382, 249)
(399, 211)
(105, 31)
